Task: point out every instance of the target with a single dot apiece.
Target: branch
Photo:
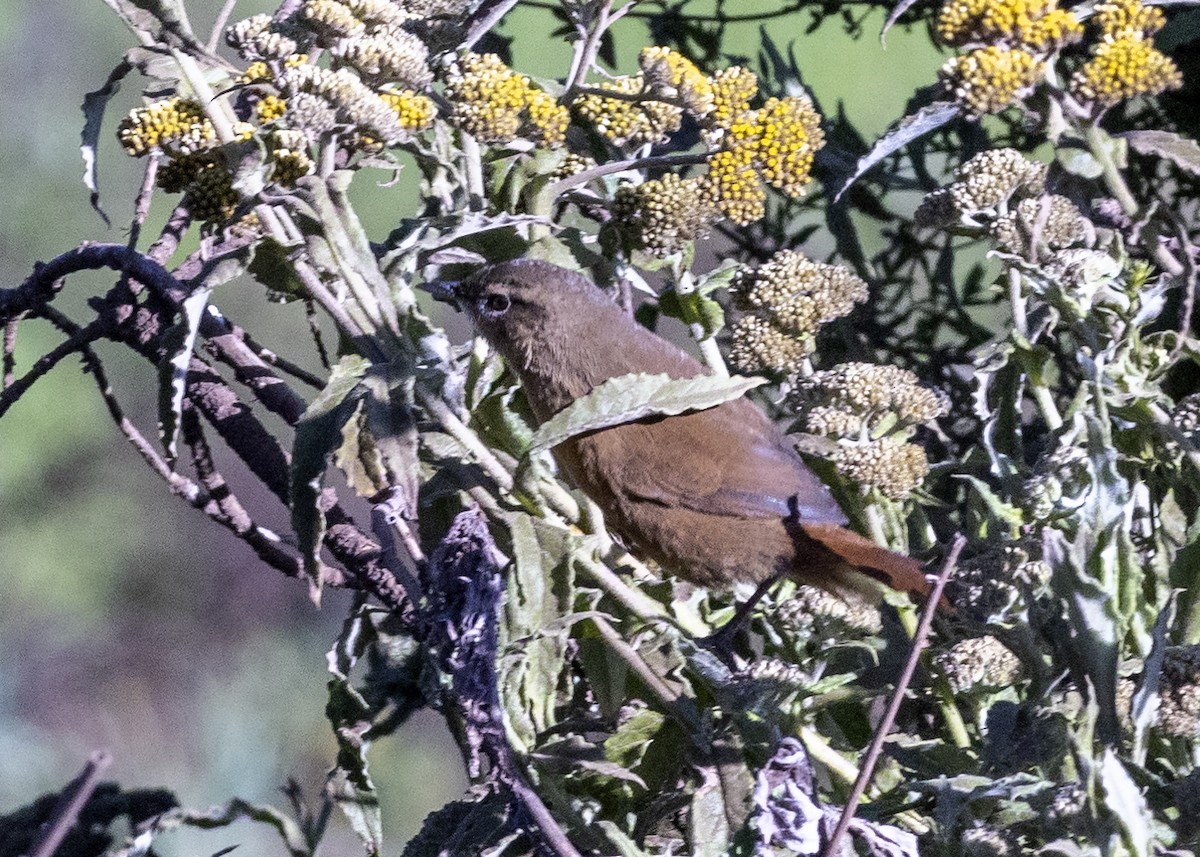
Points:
(920, 638)
(71, 802)
(76, 341)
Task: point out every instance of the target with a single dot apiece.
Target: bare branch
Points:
(70, 803)
(920, 638)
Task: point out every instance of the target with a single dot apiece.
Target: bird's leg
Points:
(720, 642)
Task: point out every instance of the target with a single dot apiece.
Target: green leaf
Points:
(272, 268)
(349, 783)
(534, 641)
(358, 457)
(317, 434)
(172, 370)
(393, 430)
(709, 828)
(627, 398)
(693, 308)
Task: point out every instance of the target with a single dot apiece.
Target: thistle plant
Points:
(980, 325)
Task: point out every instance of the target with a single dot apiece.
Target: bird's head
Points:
(520, 304)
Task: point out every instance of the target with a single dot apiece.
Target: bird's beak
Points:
(443, 290)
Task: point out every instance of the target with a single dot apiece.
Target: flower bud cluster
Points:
(814, 612)
(1052, 221)
(1179, 692)
(205, 181)
(870, 411)
(289, 156)
(979, 663)
(496, 104)
(665, 213)
(633, 120)
(351, 102)
(890, 465)
(981, 185)
(786, 301)
(996, 587)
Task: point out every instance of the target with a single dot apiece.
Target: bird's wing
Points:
(727, 460)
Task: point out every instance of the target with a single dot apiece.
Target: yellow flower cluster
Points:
(634, 120)
(732, 90)
(676, 78)
(786, 301)
(391, 55)
(1122, 68)
(496, 104)
(734, 185)
(988, 79)
(415, 111)
(1035, 25)
(774, 144)
(666, 213)
(269, 108)
(1128, 17)
(177, 126)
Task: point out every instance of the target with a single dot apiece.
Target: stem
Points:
(584, 176)
(70, 803)
(1098, 141)
(885, 725)
(1041, 395)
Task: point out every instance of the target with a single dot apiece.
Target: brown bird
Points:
(716, 496)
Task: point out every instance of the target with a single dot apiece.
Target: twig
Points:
(584, 176)
(219, 26)
(889, 717)
(10, 348)
(70, 803)
(314, 328)
(585, 57)
(708, 19)
(224, 507)
(15, 389)
(141, 208)
(486, 17)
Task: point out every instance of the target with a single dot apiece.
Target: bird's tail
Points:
(900, 572)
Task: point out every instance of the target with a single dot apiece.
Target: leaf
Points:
(464, 826)
(393, 430)
(1183, 152)
(272, 268)
(93, 107)
(357, 457)
(709, 829)
(924, 121)
(1125, 801)
(693, 308)
(172, 370)
(225, 815)
(631, 397)
(317, 433)
(1144, 706)
(540, 592)
(349, 782)
(894, 16)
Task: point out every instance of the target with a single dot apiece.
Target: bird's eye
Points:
(496, 304)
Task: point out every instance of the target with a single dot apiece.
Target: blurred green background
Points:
(128, 621)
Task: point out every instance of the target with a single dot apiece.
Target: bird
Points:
(716, 496)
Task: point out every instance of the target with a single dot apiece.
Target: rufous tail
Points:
(900, 572)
